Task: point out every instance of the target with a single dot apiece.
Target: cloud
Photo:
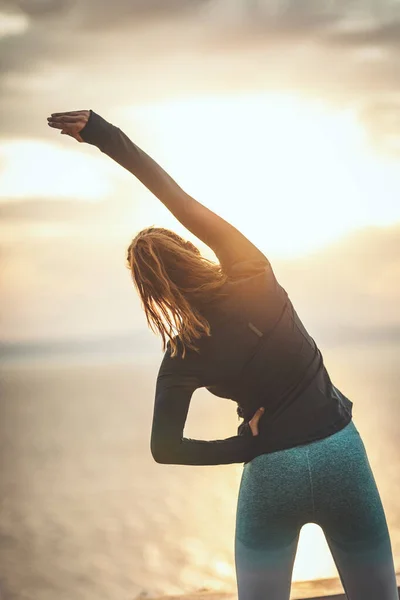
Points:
(104, 55)
(95, 50)
(351, 290)
(98, 13)
(67, 287)
(36, 8)
(387, 34)
(78, 286)
(382, 120)
(46, 210)
(12, 24)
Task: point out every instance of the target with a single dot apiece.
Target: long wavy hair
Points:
(173, 281)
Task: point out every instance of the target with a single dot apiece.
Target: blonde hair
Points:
(173, 281)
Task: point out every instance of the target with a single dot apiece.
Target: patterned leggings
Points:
(328, 482)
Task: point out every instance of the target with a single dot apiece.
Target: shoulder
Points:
(249, 268)
(253, 277)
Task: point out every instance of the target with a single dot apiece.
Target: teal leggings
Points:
(328, 482)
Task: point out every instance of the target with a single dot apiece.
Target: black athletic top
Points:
(258, 354)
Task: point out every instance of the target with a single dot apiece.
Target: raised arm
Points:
(229, 244)
(168, 446)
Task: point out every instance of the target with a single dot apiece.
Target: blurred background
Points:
(282, 116)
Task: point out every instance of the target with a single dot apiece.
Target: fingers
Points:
(70, 113)
(56, 125)
(254, 421)
(62, 125)
(257, 416)
(70, 122)
(259, 413)
(67, 119)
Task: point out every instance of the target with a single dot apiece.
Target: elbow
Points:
(162, 454)
(159, 457)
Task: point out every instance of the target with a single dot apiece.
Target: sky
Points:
(281, 116)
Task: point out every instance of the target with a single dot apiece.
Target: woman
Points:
(230, 327)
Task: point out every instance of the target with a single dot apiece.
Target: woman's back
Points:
(260, 354)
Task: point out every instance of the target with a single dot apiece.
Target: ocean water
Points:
(87, 514)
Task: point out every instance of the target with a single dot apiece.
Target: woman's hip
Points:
(311, 481)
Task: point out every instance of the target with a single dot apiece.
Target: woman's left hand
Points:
(254, 421)
(70, 123)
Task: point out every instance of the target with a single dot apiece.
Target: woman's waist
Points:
(277, 393)
(316, 413)
(339, 432)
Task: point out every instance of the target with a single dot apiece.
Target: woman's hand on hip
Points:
(254, 421)
(70, 123)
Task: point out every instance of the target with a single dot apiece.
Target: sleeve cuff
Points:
(95, 129)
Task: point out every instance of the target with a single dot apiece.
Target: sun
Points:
(292, 174)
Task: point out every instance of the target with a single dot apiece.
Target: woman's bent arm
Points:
(168, 446)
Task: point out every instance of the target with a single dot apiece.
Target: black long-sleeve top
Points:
(258, 354)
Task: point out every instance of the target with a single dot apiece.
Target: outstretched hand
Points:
(254, 421)
(70, 123)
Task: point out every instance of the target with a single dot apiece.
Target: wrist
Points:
(245, 429)
(96, 129)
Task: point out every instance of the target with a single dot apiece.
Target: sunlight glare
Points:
(292, 174)
(313, 559)
(33, 169)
